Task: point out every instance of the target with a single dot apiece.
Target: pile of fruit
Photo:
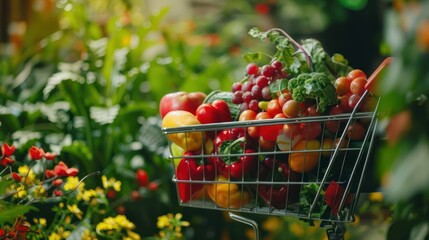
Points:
(226, 153)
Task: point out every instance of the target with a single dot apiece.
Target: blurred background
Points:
(83, 78)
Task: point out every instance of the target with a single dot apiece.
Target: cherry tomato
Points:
(267, 145)
(368, 104)
(291, 108)
(291, 130)
(356, 131)
(247, 115)
(344, 102)
(342, 85)
(357, 86)
(311, 130)
(312, 111)
(284, 97)
(355, 74)
(353, 100)
(268, 132)
(274, 107)
(334, 125)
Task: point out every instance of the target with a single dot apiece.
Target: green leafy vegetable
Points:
(306, 198)
(309, 56)
(315, 86)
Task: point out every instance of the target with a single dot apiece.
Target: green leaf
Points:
(9, 214)
(58, 78)
(104, 115)
(251, 57)
(278, 86)
(409, 176)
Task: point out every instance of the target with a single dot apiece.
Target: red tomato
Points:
(368, 104)
(267, 145)
(355, 74)
(344, 102)
(268, 132)
(357, 86)
(356, 131)
(274, 107)
(284, 97)
(333, 125)
(312, 111)
(311, 130)
(247, 115)
(342, 85)
(291, 108)
(353, 100)
(291, 130)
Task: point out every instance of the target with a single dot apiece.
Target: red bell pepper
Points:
(333, 195)
(217, 111)
(277, 195)
(190, 170)
(232, 142)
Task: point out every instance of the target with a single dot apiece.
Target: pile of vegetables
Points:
(263, 144)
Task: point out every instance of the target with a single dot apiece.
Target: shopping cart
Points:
(331, 188)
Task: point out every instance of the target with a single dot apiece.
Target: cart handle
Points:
(373, 77)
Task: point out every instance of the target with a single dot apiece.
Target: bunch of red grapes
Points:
(249, 93)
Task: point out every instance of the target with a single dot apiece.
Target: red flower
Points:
(6, 161)
(57, 182)
(36, 153)
(7, 150)
(142, 177)
(333, 195)
(262, 8)
(153, 186)
(16, 177)
(50, 173)
(58, 193)
(2, 232)
(50, 156)
(62, 170)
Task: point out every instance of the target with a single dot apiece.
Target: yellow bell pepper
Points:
(303, 161)
(227, 195)
(189, 141)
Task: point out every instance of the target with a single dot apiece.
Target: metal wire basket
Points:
(328, 192)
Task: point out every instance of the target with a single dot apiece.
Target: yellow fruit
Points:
(189, 141)
(304, 161)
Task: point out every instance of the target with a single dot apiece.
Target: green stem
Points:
(307, 56)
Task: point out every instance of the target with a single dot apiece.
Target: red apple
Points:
(181, 101)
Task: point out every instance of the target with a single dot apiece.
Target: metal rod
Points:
(247, 221)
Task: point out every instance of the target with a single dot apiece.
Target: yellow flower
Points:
(40, 191)
(296, 229)
(272, 224)
(75, 210)
(375, 196)
(88, 194)
(133, 236)
(29, 176)
(20, 191)
(111, 183)
(123, 222)
(41, 221)
(163, 221)
(117, 223)
(72, 183)
(59, 235)
(54, 236)
(87, 235)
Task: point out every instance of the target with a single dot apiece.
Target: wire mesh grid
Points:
(315, 178)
